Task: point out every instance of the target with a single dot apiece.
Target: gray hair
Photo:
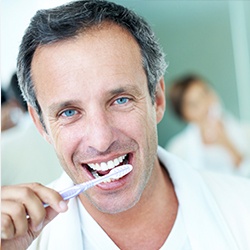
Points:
(67, 21)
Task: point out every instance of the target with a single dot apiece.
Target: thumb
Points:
(52, 213)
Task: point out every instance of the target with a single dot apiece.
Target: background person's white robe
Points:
(188, 146)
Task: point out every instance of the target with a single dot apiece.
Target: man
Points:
(92, 74)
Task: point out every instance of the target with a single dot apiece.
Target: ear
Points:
(160, 101)
(38, 124)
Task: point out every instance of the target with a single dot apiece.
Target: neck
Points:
(147, 224)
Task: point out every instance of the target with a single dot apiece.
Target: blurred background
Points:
(211, 38)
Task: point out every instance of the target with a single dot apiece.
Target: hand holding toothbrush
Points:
(27, 209)
(17, 201)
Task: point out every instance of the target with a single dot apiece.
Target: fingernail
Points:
(63, 205)
(3, 235)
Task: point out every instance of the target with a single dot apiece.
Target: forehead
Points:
(105, 53)
(105, 41)
(196, 88)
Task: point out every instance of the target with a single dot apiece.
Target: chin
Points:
(115, 205)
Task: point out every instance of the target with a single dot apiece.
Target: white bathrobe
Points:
(215, 210)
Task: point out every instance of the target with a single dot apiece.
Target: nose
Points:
(100, 132)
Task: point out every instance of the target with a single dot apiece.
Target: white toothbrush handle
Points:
(77, 189)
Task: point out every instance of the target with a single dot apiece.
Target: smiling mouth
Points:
(99, 169)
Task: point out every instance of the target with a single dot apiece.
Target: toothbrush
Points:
(115, 173)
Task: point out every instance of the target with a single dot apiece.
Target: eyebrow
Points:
(127, 88)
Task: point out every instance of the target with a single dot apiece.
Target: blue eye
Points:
(69, 112)
(122, 100)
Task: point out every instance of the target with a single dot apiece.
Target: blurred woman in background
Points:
(12, 105)
(213, 139)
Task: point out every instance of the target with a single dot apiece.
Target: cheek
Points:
(65, 141)
(142, 121)
(190, 114)
(143, 128)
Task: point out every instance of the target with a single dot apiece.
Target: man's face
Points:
(98, 112)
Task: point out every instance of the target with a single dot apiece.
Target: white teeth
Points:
(116, 162)
(111, 164)
(103, 166)
(95, 174)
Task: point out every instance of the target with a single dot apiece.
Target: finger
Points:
(50, 215)
(30, 203)
(50, 197)
(14, 219)
(33, 196)
(24, 192)
(7, 227)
